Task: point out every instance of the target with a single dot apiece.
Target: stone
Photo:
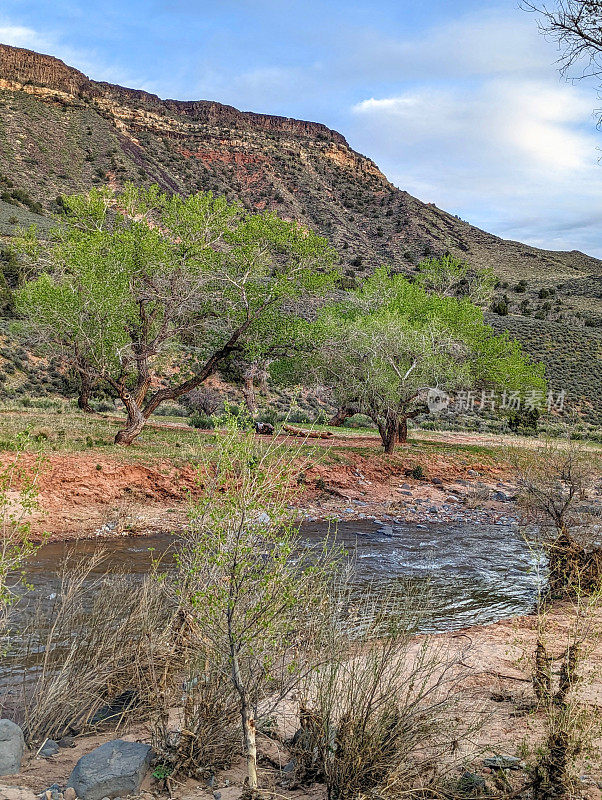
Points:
(470, 784)
(67, 741)
(437, 481)
(16, 793)
(12, 745)
(503, 762)
(501, 497)
(69, 793)
(50, 749)
(114, 769)
(405, 486)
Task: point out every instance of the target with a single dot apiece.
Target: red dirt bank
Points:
(89, 494)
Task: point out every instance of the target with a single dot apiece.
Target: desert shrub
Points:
(207, 736)
(206, 400)
(200, 420)
(561, 663)
(171, 410)
(269, 415)
(358, 421)
(322, 417)
(379, 718)
(555, 483)
(501, 307)
(299, 417)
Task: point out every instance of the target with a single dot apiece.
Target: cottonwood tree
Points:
(390, 342)
(139, 283)
(450, 276)
(447, 276)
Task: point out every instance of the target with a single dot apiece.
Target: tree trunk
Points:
(135, 421)
(248, 723)
(250, 748)
(402, 429)
(248, 390)
(262, 378)
(343, 413)
(85, 391)
(388, 432)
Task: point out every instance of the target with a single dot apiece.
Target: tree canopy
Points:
(138, 281)
(391, 341)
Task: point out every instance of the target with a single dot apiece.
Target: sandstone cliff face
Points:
(62, 132)
(27, 70)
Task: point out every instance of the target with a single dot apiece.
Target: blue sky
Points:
(459, 102)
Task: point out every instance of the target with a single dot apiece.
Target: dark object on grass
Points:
(264, 428)
(110, 712)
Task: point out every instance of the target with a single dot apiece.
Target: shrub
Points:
(378, 717)
(200, 420)
(93, 651)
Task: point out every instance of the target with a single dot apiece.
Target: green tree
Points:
(391, 342)
(141, 280)
(449, 276)
(260, 599)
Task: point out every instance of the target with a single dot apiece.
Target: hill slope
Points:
(61, 132)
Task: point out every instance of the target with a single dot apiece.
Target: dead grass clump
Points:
(206, 737)
(88, 656)
(381, 714)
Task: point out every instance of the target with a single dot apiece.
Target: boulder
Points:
(471, 784)
(12, 745)
(503, 762)
(114, 769)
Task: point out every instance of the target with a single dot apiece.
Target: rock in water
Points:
(12, 745)
(114, 769)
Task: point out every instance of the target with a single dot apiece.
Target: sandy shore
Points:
(497, 686)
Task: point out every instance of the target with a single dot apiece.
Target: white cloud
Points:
(510, 149)
(489, 42)
(21, 36)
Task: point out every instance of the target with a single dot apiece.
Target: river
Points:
(476, 573)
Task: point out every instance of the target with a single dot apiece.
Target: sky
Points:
(459, 102)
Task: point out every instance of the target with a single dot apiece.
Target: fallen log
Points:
(290, 429)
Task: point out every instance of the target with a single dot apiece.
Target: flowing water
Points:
(476, 573)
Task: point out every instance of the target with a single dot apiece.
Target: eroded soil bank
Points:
(88, 494)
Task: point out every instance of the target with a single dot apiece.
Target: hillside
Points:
(61, 132)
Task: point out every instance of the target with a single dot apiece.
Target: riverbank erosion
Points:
(101, 491)
(495, 684)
